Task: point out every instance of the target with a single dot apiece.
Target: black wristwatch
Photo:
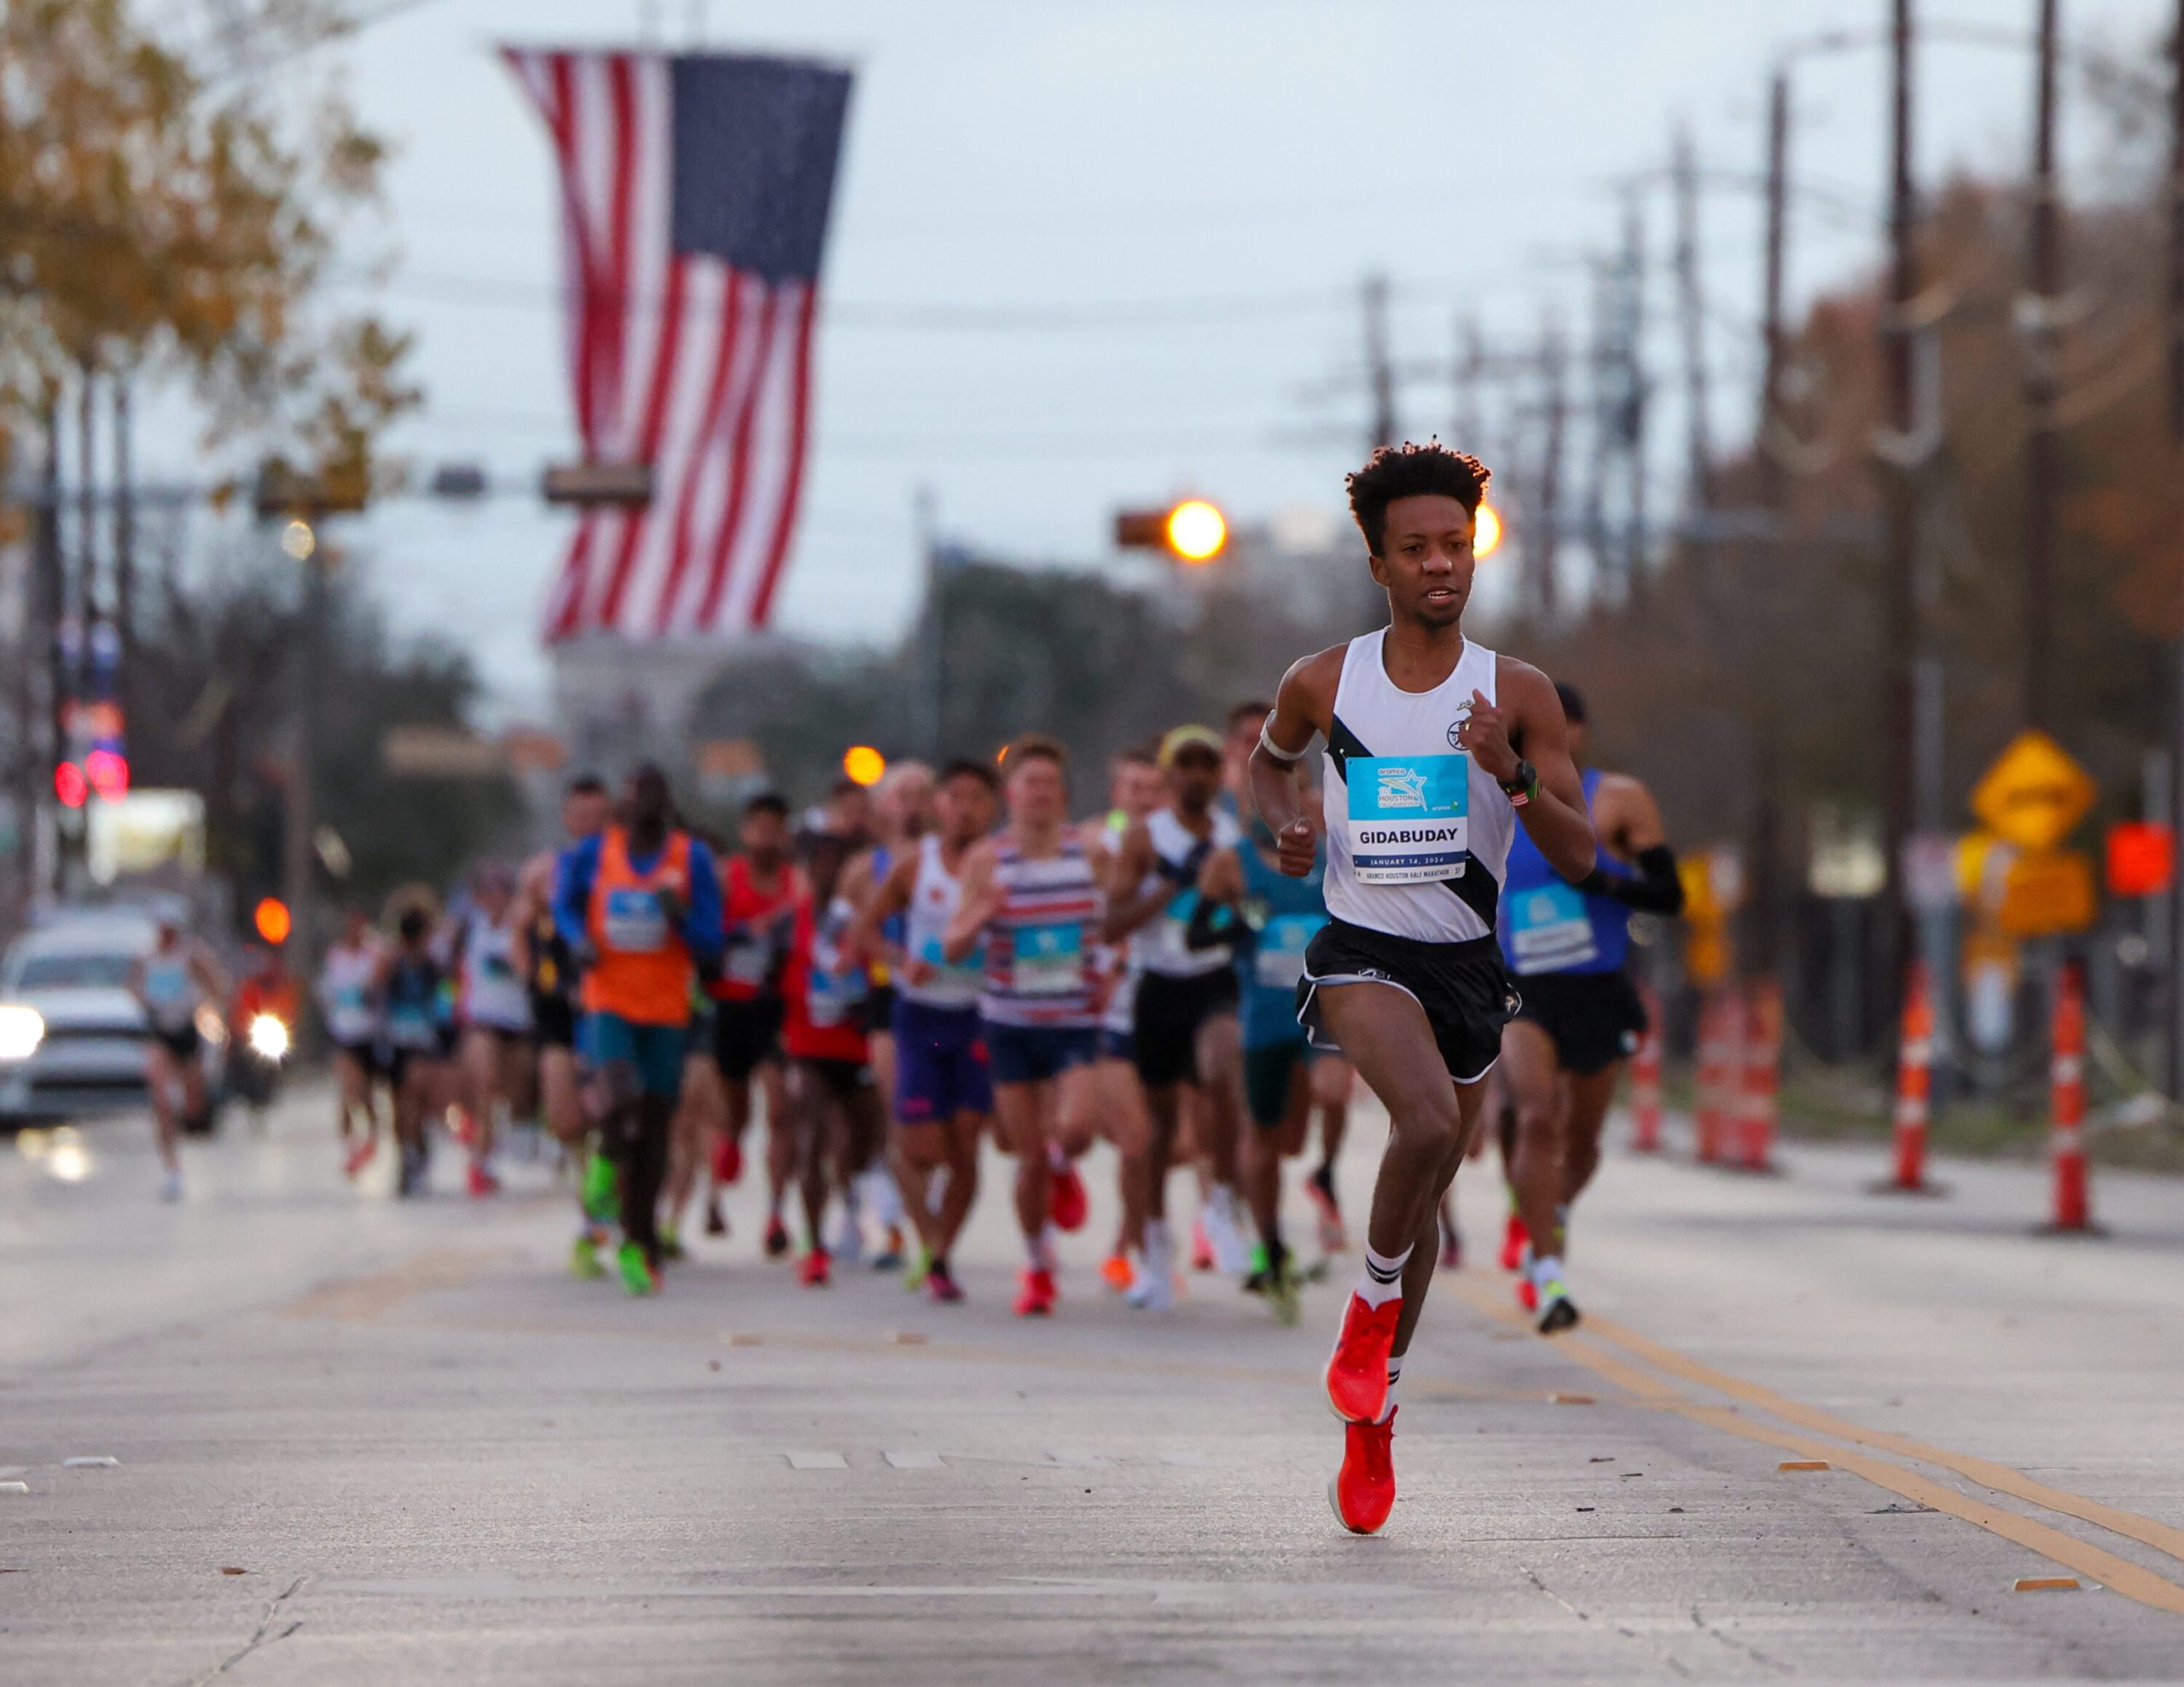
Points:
(1522, 785)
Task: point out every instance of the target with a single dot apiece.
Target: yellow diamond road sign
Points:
(2035, 795)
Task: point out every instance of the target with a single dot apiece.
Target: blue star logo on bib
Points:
(1401, 787)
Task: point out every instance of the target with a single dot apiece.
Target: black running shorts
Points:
(1463, 987)
(1169, 1013)
(553, 1019)
(1593, 1018)
(747, 1034)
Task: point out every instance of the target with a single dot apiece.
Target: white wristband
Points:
(1284, 757)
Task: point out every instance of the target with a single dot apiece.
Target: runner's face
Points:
(765, 834)
(1426, 560)
(966, 809)
(585, 814)
(907, 803)
(1144, 789)
(1194, 778)
(1037, 795)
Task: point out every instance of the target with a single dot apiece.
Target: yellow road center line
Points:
(2120, 1574)
(1985, 1471)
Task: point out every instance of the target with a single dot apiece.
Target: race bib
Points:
(1280, 961)
(1408, 817)
(829, 996)
(1048, 961)
(750, 959)
(966, 972)
(1548, 930)
(636, 924)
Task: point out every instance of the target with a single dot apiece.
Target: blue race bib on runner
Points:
(635, 922)
(1408, 817)
(1046, 960)
(1280, 962)
(1549, 930)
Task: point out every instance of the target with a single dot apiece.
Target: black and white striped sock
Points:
(1383, 1279)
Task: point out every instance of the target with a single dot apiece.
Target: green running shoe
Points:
(636, 1270)
(602, 1189)
(1281, 1295)
(919, 1266)
(584, 1258)
(670, 1243)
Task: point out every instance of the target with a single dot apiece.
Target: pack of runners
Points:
(1196, 976)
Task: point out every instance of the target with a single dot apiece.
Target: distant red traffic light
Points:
(108, 772)
(70, 786)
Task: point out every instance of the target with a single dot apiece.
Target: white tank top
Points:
(492, 994)
(1117, 962)
(346, 996)
(1418, 838)
(934, 893)
(1158, 946)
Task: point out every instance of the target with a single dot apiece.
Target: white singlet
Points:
(492, 995)
(934, 893)
(1418, 838)
(345, 995)
(1158, 945)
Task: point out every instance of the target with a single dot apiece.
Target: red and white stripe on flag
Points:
(675, 359)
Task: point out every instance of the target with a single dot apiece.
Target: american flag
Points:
(694, 191)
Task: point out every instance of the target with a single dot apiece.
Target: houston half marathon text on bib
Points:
(1408, 817)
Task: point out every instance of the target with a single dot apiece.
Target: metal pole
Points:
(1900, 489)
(2176, 438)
(2044, 258)
(1379, 369)
(299, 823)
(1692, 311)
(51, 601)
(1634, 339)
(1544, 545)
(125, 551)
(1778, 176)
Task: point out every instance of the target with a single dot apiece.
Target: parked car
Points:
(72, 1037)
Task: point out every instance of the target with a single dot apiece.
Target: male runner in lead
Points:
(1435, 749)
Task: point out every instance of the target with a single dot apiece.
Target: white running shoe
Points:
(1153, 1288)
(1231, 1256)
(170, 1185)
(848, 1239)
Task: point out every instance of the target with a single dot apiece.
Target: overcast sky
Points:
(1235, 166)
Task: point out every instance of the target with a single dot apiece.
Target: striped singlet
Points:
(1040, 941)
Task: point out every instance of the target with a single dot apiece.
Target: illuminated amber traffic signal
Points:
(1193, 532)
(1486, 531)
(271, 919)
(863, 765)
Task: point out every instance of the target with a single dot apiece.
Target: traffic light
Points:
(70, 787)
(272, 920)
(863, 765)
(1486, 531)
(1193, 532)
(108, 773)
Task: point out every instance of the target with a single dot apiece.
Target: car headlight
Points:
(269, 1038)
(21, 1030)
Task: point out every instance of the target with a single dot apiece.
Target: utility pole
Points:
(50, 597)
(1633, 338)
(1771, 478)
(932, 679)
(124, 552)
(1691, 307)
(2176, 439)
(1380, 368)
(1598, 358)
(1900, 489)
(2043, 332)
(1543, 543)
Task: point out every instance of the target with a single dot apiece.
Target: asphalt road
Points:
(432, 1456)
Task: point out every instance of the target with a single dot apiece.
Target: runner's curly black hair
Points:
(1408, 470)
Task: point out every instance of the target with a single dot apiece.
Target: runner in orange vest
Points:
(640, 905)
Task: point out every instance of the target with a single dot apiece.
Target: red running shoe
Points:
(483, 1183)
(1515, 1238)
(1201, 1250)
(1036, 1299)
(1356, 1376)
(1065, 1201)
(1363, 1492)
(360, 1157)
(812, 1272)
(1527, 1293)
(941, 1284)
(728, 1160)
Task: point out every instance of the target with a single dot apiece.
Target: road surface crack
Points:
(1662, 1652)
(1737, 1645)
(265, 1635)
